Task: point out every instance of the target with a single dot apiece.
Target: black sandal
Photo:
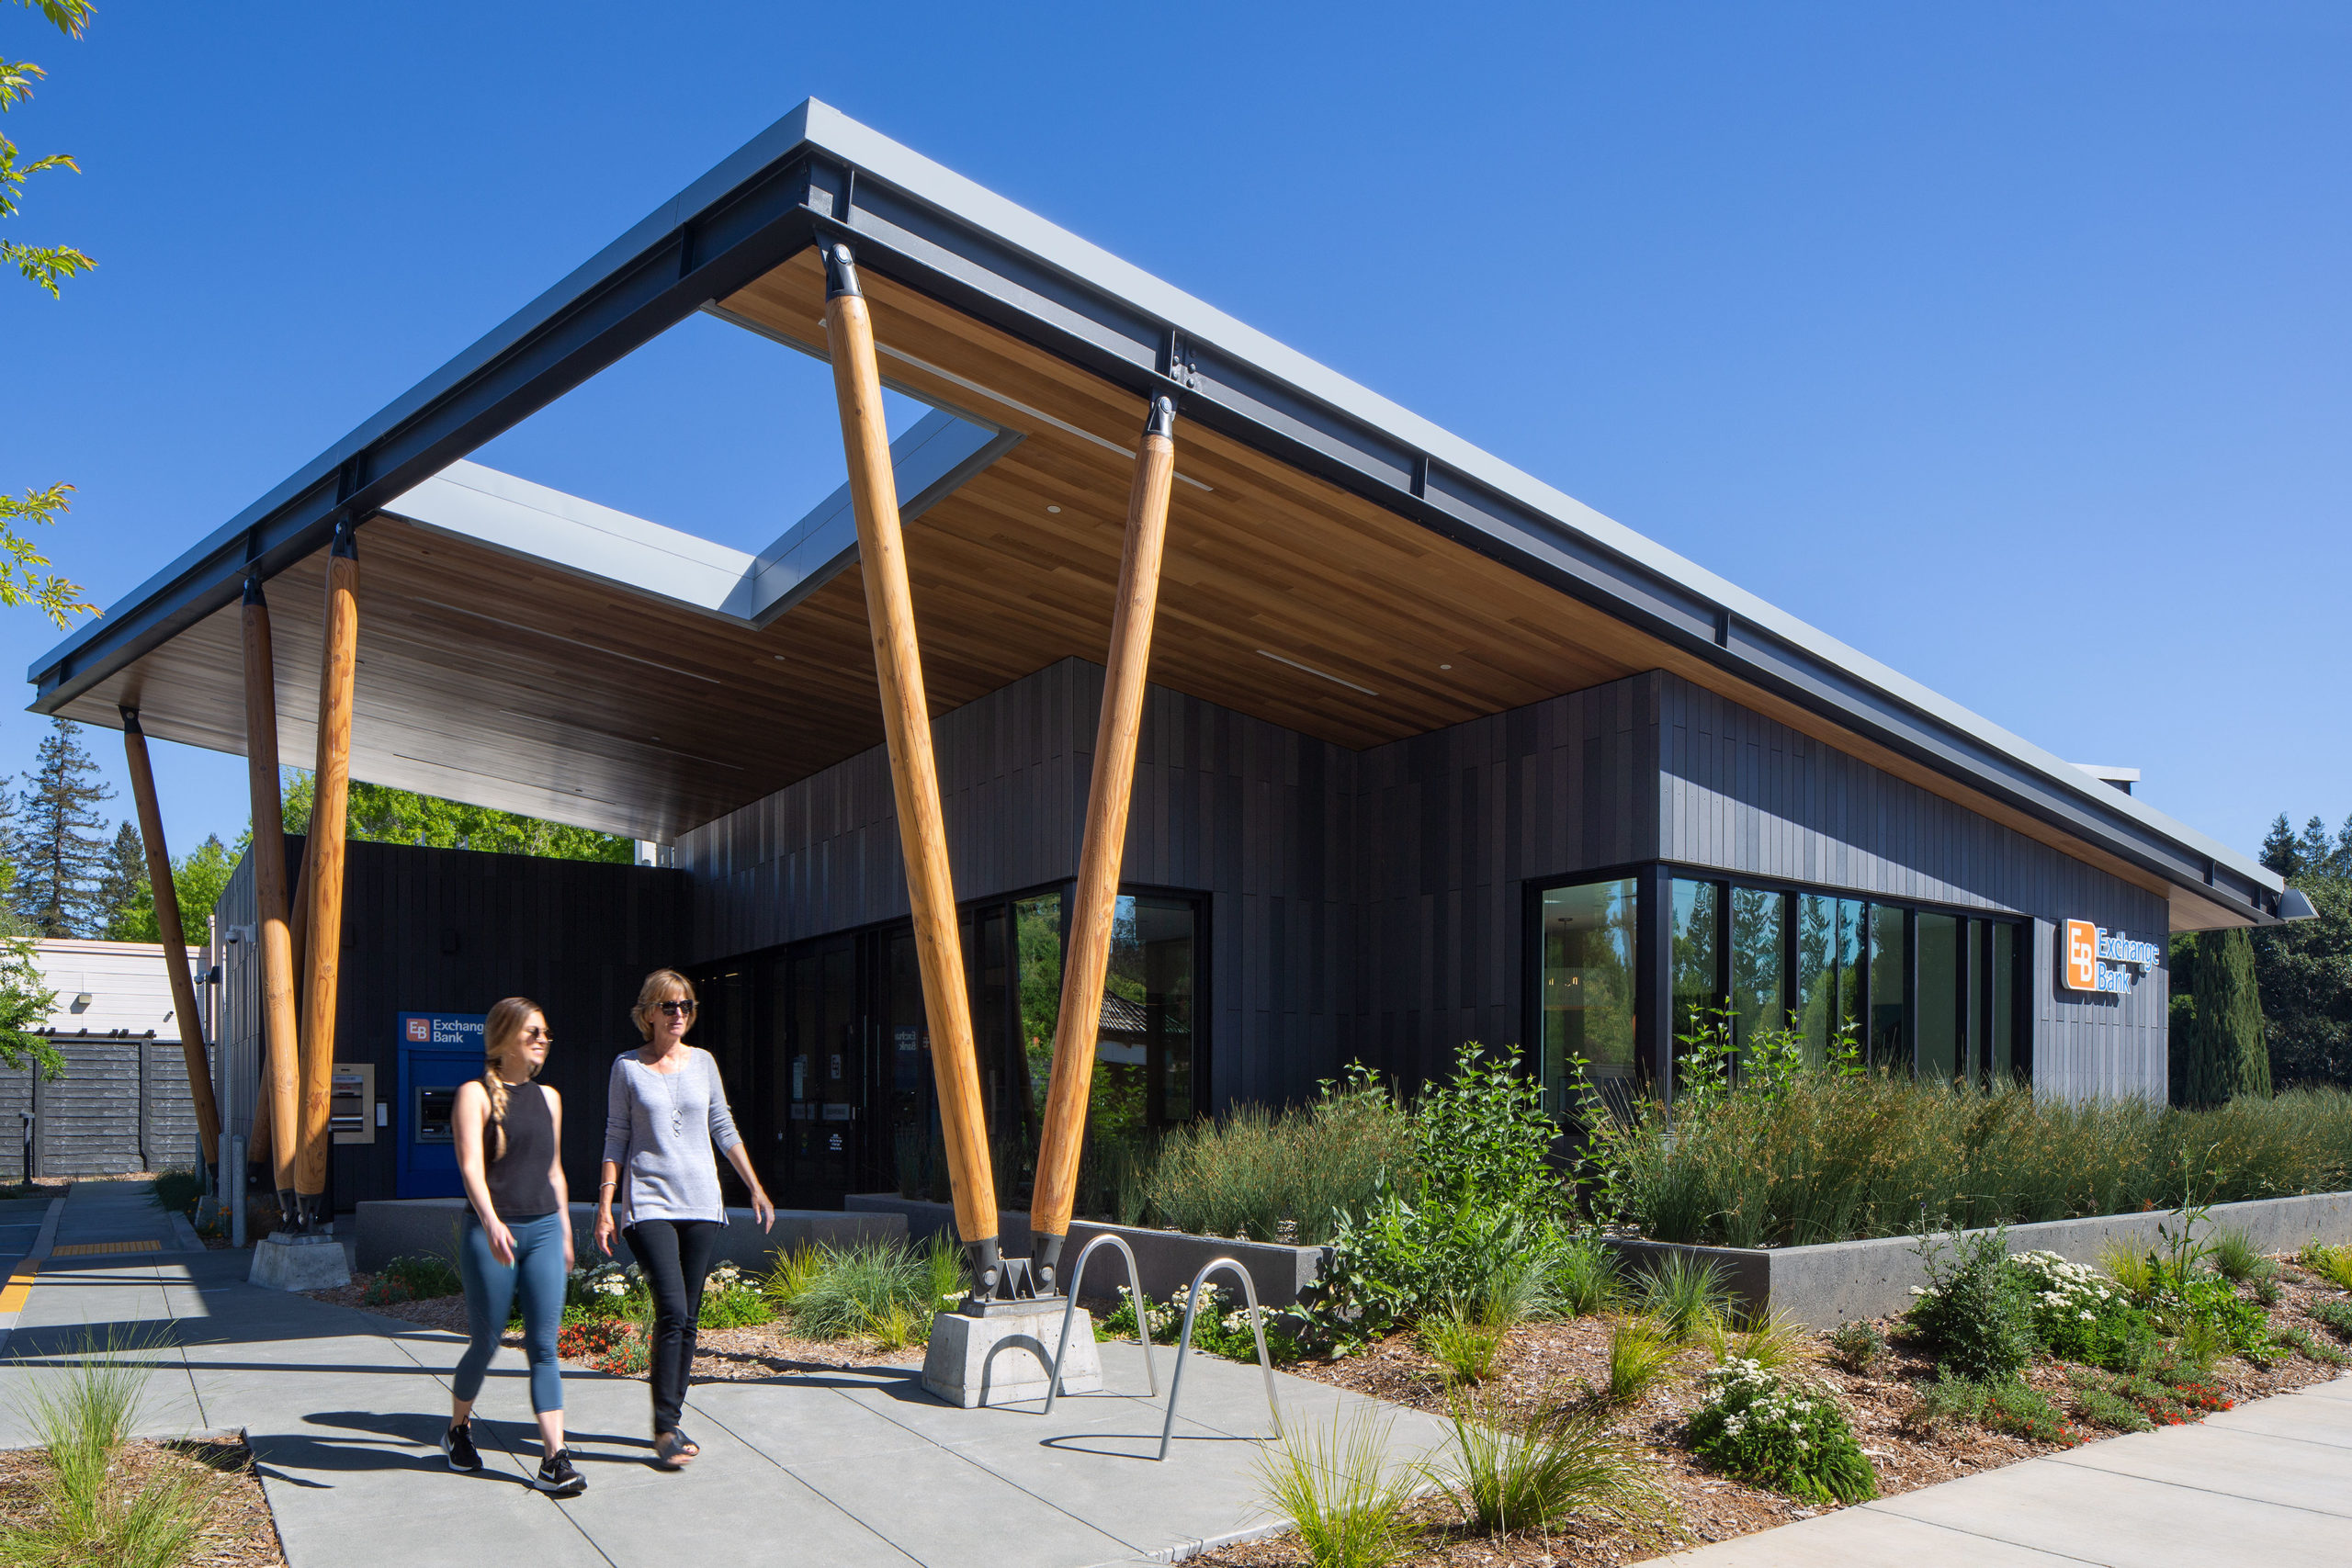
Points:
(674, 1450)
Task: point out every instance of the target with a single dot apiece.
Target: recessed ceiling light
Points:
(1445, 666)
(1054, 510)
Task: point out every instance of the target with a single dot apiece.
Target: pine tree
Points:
(2228, 1054)
(2339, 859)
(122, 886)
(2314, 849)
(64, 855)
(2279, 848)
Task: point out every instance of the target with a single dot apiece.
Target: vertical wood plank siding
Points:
(1372, 904)
(1742, 793)
(450, 930)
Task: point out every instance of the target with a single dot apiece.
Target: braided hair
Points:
(500, 1033)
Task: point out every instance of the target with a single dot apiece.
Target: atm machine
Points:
(438, 1051)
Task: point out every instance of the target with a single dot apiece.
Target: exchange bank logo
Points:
(2100, 960)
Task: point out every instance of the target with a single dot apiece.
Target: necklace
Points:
(677, 1100)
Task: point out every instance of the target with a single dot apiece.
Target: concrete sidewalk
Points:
(345, 1411)
(2265, 1485)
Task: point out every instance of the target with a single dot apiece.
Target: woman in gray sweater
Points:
(664, 1112)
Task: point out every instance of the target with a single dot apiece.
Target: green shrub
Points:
(1584, 1277)
(2299, 1340)
(730, 1300)
(790, 1274)
(846, 1288)
(1759, 1427)
(612, 1290)
(2332, 1264)
(2236, 1259)
(1858, 1345)
(1975, 1317)
(1542, 1470)
(176, 1191)
(1465, 1344)
(1774, 1343)
(1246, 1172)
(2004, 1404)
(1687, 1295)
(2080, 1314)
(1485, 1137)
(1829, 1157)
(1405, 1256)
(2335, 1317)
(1221, 1328)
(2169, 1394)
(414, 1277)
(1335, 1485)
(1641, 1353)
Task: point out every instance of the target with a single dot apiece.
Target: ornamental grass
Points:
(1825, 1158)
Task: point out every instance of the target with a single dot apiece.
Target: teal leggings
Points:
(490, 1288)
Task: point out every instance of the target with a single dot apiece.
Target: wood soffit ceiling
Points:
(513, 682)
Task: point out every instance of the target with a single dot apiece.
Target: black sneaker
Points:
(457, 1442)
(558, 1477)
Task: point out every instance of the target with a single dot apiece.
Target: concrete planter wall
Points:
(1824, 1286)
(1167, 1259)
(395, 1227)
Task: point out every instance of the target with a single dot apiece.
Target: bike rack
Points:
(1070, 1315)
(1185, 1346)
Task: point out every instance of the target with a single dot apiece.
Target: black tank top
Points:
(517, 1178)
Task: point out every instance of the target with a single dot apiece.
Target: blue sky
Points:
(2006, 343)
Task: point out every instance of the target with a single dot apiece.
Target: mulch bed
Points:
(1544, 1363)
(241, 1535)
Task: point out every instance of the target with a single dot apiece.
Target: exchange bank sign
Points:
(2101, 960)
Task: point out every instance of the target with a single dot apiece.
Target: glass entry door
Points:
(817, 1103)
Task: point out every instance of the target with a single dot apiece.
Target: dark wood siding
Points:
(1372, 904)
(452, 930)
(120, 1105)
(1742, 793)
(1455, 824)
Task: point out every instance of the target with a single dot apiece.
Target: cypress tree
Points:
(2180, 1016)
(64, 855)
(2228, 1056)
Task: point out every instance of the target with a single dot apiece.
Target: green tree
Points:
(199, 878)
(63, 856)
(22, 581)
(2303, 969)
(24, 1005)
(2228, 1055)
(2278, 848)
(381, 815)
(123, 882)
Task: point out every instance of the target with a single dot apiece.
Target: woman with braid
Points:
(517, 1235)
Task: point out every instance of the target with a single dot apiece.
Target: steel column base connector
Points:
(1045, 1260)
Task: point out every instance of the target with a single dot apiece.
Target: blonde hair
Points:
(661, 985)
(499, 1034)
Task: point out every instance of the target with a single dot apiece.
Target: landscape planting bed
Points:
(1545, 1363)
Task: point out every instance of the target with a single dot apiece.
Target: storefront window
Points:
(1889, 995)
(1696, 941)
(1143, 1053)
(1038, 937)
(1829, 970)
(2001, 1012)
(1758, 963)
(1588, 987)
(1936, 1029)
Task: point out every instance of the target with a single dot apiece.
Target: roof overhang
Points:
(943, 240)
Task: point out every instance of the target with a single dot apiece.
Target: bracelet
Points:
(602, 1185)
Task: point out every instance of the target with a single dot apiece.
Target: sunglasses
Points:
(676, 1008)
(538, 1034)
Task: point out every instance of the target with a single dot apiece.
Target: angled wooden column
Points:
(323, 943)
(914, 776)
(174, 940)
(1096, 899)
(281, 1071)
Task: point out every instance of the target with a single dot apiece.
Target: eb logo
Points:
(2082, 956)
(420, 1031)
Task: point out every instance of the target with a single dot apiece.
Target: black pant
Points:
(675, 1256)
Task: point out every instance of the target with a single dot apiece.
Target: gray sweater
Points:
(660, 1129)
